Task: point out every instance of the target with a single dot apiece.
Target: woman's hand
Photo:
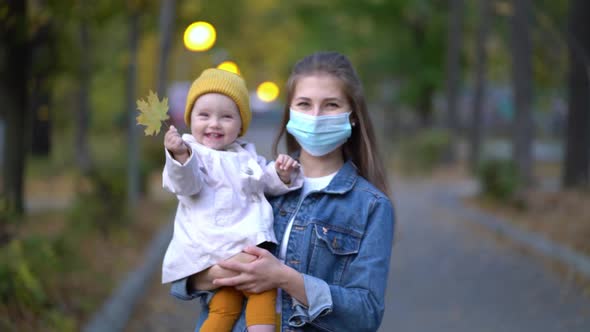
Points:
(264, 273)
(204, 280)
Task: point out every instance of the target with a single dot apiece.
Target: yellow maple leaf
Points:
(152, 113)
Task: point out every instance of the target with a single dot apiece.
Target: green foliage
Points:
(424, 151)
(30, 269)
(101, 204)
(499, 178)
(59, 321)
(20, 284)
(7, 217)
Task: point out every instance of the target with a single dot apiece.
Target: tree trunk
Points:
(425, 106)
(43, 53)
(426, 93)
(167, 11)
(455, 40)
(83, 114)
(522, 84)
(481, 58)
(133, 185)
(577, 143)
(16, 63)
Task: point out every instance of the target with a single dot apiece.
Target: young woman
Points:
(335, 234)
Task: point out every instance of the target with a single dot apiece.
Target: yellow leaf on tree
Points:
(152, 113)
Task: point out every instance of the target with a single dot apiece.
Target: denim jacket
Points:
(341, 243)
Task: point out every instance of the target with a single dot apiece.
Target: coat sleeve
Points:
(182, 179)
(274, 186)
(357, 304)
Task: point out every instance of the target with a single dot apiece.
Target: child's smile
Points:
(215, 121)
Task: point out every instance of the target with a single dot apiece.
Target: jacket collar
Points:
(344, 180)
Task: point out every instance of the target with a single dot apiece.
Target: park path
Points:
(447, 274)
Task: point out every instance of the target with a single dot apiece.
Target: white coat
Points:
(221, 205)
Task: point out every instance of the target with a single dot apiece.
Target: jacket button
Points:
(283, 213)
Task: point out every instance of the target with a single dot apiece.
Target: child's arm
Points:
(181, 175)
(282, 176)
(174, 143)
(285, 166)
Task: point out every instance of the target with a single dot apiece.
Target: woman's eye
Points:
(303, 105)
(332, 106)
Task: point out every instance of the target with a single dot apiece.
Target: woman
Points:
(337, 231)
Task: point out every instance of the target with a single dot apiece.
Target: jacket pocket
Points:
(332, 250)
(339, 242)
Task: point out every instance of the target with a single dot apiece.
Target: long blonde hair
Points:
(361, 146)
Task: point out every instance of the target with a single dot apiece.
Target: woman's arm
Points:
(263, 273)
(203, 280)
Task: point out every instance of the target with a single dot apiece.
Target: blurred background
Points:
(489, 92)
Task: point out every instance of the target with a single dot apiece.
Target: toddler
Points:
(220, 183)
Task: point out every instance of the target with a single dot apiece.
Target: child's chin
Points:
(215, 146)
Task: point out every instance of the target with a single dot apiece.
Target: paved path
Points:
(159, 312)
(451, 275)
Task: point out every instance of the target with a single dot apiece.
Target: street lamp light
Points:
(267, 91)
(199, 36)
(229, 66)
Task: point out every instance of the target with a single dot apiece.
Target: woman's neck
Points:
(314, 167)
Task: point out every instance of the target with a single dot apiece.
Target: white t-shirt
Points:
(309, 185)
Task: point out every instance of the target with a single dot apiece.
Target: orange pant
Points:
(226, 305)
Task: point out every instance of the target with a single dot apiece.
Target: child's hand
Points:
(174, 143)
(285, 165)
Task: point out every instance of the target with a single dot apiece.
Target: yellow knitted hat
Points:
(221, 81)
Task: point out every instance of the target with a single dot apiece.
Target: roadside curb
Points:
(117, 310)
(539, 244)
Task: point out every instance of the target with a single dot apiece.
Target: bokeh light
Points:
(199, 36)
(267, 91)
(229, 66)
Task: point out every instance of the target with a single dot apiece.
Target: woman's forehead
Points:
(319, 86)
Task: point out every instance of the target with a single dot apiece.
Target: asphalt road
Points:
(449, 274)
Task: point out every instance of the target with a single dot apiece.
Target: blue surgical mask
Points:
(319, 135)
